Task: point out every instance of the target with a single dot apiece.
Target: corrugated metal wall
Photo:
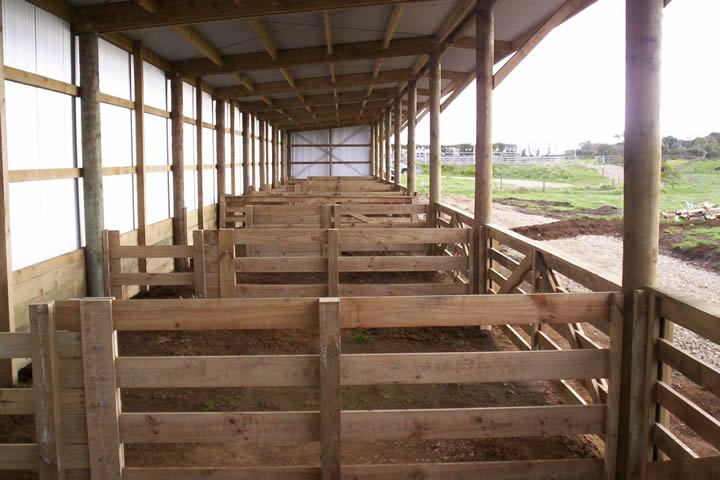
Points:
(309, 155)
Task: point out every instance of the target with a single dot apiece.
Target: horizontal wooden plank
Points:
(462, 215)
(280, 264)
(24, 456)
(40, 81)
(252, 290)
(16, 401)
(19, 345)
(704, 374)
(695, 469)
(363, 425)
(670, 444)
(700, 317)
(17, 176)
(467, 310)
(704, 424)
(401, 289)
(404, 235)
(380, 209)
(169, 279)
(271, 237)
(570, 469)
(152, 251)
(401, 264)
(360, 369)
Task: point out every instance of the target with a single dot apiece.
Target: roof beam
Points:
(149, 6)
(123, 16)
(303, 56)
(318, 100)
(200, 43)
(324, 83)
(328, 41)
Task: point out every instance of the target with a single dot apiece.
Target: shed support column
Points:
(7, 310)
(387, 145)
(220, 146)
(485, 40)
(92, 162)
(411, 147)
(434, 130)
(246, 152)
(232, 148)
(199, 145)
(275, 157)
(140, 148)
(283, 157)
(288, 159)
(253, 163)
(398, 149)
(263, 181)
(178, 168)
(642, 187)
(380, 143)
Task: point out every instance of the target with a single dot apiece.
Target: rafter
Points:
(318, 100)
(328, 41)
(269, 46)
(149, 6)
(387, 38)
(293, 57)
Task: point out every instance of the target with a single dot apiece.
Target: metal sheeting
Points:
(189, 159)
(310, 155)
(114, 70)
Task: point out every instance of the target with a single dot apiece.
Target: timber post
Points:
(643, 154)
(435, 149)
(92, 162)
(398, 147)
(178, 168)
(411, 147)
(485, 41)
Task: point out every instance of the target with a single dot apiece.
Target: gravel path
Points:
(605, 254)
(614, 172)
(503, 215)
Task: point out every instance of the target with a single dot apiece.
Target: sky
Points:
(571, 87)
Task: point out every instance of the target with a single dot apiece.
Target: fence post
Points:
(199, 264)
(102, 406)
(330, 399)
(249, 221)
(222, 223)
(333, 252)
(614, 385)
(226, 262)
(46, 392)
(115, 263)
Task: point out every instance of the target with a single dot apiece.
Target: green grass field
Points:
(698, 182)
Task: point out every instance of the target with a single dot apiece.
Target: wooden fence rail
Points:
(656, 399)
(81, 426)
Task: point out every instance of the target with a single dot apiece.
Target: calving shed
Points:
(247, 154)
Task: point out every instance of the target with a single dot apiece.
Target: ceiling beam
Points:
(317, 100)
(293, 57)
(324, 83)
(123, 16)
(200, 43)
(328, 41)
(149, 6)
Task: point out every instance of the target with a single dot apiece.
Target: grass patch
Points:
(361, 338)
(692, 242)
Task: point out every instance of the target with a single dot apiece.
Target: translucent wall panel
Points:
(209, 175)
(19, 35)
(208, 108)
(189, 159)
(114, 70)
(228, 164)
(156, 94)
(42, 211)
(188, 100)
(157, 193)
(119, 194)
(22, 126)
(116, 131)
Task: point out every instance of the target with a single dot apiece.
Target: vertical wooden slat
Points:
(246, 152)
(102, 404)
(330, 399)
(180, 227)
(253, 164)
(614, 385)
(7, 307)
(138, 73)
(199, 150)
(46, 392)
(333, 252)
(226, 260)
(275, 158)
(199, 264)
(388, 153)
(115, 264)
(107, 271)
